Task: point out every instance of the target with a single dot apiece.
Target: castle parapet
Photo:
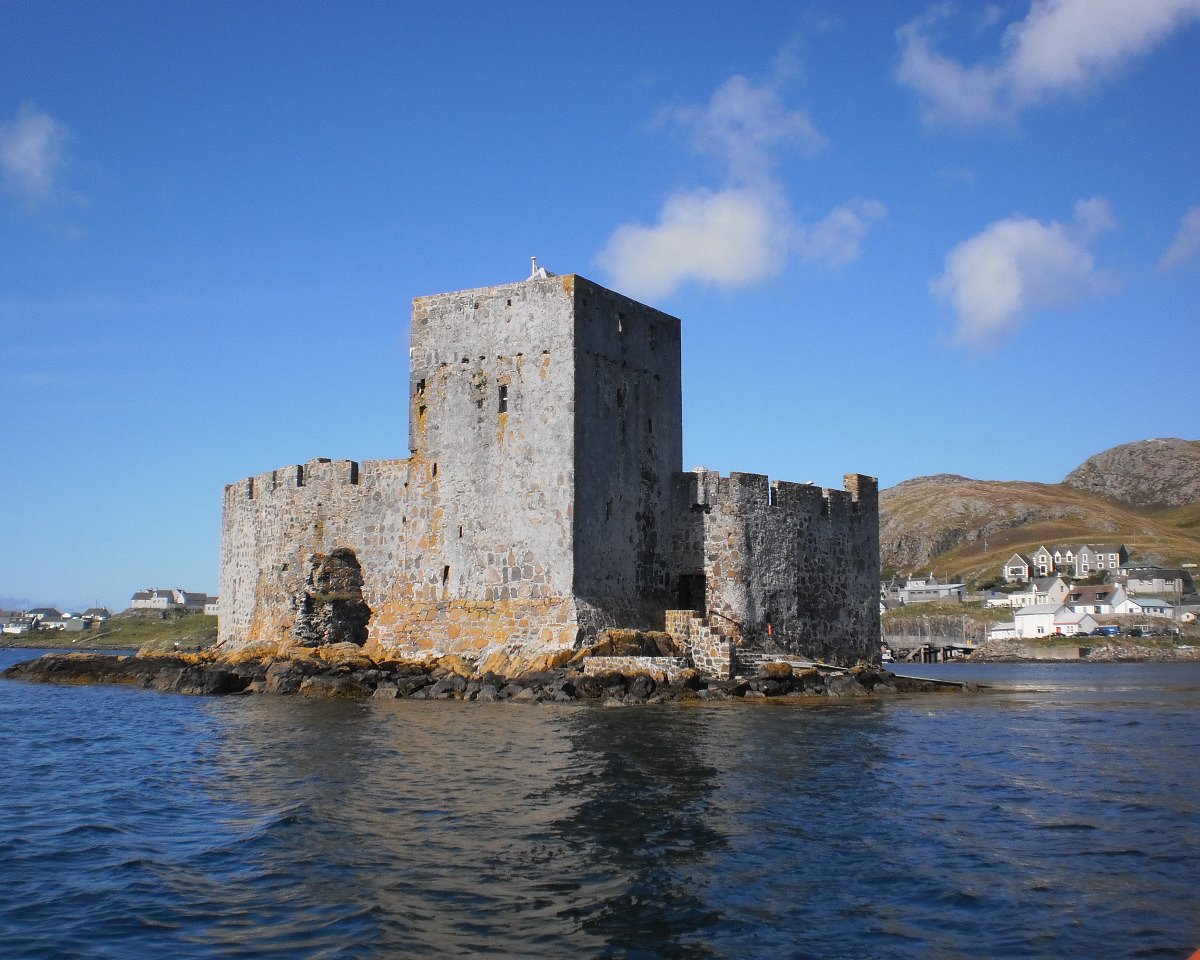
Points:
(319, 472)
(704, 488)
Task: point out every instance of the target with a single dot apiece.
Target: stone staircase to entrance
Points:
(709, 650)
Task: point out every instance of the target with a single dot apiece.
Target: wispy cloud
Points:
(994, 280)
(744, 231)
(31, 154)
(837, 238)
(1186, 242)
(1060, 46)
(745, 126)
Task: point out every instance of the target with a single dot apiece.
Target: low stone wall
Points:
(1015, 649)
(709, 650)
(668, 667)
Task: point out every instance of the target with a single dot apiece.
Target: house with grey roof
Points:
(1042, 561)
(1101, 600)
(157, 598)
(1018, 567)
(1105, 557)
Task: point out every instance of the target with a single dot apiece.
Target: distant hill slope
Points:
(962, 527)
(1149, 473)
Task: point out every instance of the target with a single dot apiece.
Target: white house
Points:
(1036, 620)
(1102, 599)
(1070, 624)
(1041, 590)
(1050, 620)
(154, 598)
(1002, 631)
(1145, 607)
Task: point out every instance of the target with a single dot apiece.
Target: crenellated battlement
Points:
(705, 488)
(783, 566)
(320, 473)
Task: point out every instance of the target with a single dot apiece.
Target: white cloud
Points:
(743, 232)
(1186, 242)
(728, 238)
(1017, 265)
(31, 153)
(745, 125)
(1060, 46)
(837, 238)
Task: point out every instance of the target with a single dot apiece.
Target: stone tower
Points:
(550, 413)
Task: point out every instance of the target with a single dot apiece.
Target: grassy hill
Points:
(130, 632)
(960, 527)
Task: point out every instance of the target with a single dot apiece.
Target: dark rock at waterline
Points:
(359, 677)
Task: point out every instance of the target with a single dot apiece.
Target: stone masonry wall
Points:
(786, 566)
(628, 446)
(492, 376)
(709, 650)
(384, 511)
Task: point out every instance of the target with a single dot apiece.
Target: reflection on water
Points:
(640, 814)
(1057, 817)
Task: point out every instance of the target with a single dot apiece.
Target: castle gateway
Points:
(544, 501)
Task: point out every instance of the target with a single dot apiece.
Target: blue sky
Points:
(904, 238)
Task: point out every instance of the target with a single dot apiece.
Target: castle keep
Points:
(543, 502)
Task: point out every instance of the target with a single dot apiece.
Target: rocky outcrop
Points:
(345, 673)
(1148, 473)
(1085, 650)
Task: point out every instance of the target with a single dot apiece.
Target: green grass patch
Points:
(190, 632)
(972, 611)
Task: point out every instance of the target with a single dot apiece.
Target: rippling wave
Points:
(1060, 818)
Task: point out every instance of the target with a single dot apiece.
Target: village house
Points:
(1102, 600)
(155, 598)
(15, 622)
(1160, 581)
(1042, 561)
(1017, 568)
(1106, 557)
(927, 589)
(1052, 619)
(1041, 590)
(1078, 562)
(1145, 607)
(1064, 557)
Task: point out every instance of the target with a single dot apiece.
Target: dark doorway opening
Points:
(691, 595)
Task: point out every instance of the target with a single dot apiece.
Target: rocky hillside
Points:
(1149, 473)
(962, 527)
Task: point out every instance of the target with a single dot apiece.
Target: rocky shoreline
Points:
(1098, 650)
(352, 675)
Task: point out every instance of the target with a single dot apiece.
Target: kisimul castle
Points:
(544, 501)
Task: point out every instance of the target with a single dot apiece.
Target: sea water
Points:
(1056, 815)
